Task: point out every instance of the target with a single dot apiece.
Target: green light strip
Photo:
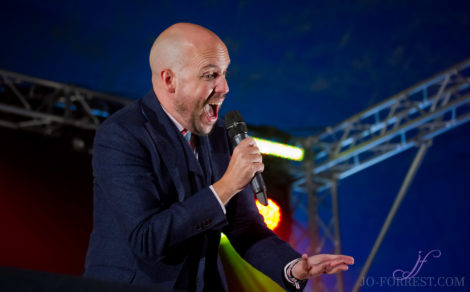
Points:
(280, 149)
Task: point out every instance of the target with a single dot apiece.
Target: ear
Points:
(168, 80)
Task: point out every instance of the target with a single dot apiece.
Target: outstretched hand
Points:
(309, 267)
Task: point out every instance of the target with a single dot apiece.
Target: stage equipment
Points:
(48, 108)
(411, 118)
(279, 149)
(271, 213)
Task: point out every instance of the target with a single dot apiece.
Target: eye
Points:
(210, 75)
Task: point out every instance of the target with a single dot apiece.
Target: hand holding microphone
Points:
(245, 165)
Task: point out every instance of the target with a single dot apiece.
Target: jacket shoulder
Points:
(127, 115)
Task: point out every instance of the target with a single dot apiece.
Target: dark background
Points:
(296, 65)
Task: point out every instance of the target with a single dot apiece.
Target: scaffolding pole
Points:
(337, 233)
(396, 204)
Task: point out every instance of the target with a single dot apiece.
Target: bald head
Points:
(178, 43)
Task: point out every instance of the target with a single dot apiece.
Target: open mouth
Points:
(212, 110)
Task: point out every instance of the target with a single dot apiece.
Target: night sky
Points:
(296, 65)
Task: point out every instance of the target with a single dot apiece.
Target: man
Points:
(161, 203)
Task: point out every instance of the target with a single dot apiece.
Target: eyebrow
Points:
(210, 66)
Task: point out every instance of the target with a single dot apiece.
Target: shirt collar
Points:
(178, 125)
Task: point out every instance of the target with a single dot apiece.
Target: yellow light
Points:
(279, 149)
(271, 213)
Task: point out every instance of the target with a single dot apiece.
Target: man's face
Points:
(201, 87)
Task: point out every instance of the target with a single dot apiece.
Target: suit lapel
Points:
(174, 150)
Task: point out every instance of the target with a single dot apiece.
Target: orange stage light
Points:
(271, 213)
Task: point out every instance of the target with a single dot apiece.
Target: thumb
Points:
(305, 263)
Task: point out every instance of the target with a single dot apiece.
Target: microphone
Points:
(237, 131)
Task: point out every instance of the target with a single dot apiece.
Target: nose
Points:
(222, 85)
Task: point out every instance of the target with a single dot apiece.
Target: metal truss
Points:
(393, 126)
(322, 232)
(409, 119)
(52, 108)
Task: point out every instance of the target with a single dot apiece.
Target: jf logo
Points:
(399, 274)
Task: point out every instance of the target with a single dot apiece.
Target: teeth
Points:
(216, 103)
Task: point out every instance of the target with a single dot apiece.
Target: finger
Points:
(257, 167)
(349, 260)
(254, 150)
(251, 141)
(250, 147)
(346, 259)
(246, 147)
(339, 268)
(334, 264)
(331, 269)
(319, 258)
(329, 257)
(256, 157)
(339, 261)
(305, 262)
(247, 142)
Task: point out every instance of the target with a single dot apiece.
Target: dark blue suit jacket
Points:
(155, 217)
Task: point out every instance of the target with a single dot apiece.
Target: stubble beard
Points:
(194, 117)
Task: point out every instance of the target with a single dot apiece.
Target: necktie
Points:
(189, 138)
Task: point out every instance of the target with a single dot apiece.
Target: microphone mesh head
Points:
(234, 123)
(233, 116)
